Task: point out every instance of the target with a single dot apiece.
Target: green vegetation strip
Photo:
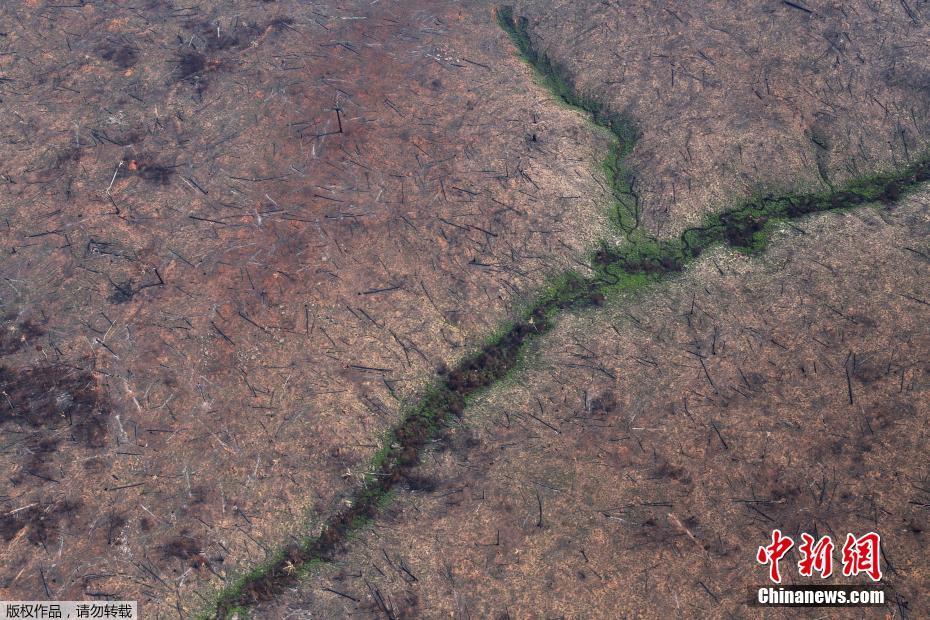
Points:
(624, 267)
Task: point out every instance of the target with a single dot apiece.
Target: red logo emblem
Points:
(860, 555)
(773, 553)
(817, 557)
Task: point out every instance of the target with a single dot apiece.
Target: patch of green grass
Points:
(308, 568)
(240, 613)
(386, 498)
(358, 523)
(235, 587)
(624, 212)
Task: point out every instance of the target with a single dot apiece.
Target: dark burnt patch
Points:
(664, 469)
(425, 484)
(221, 38)
(15, 336)
(156, 173)
(10, 526)
(147, 167)
(870, 367)
(191, 68)
(120, 54)
(66, 156)
(42, 521)
(41, 449)
(52, 398)
(95, 465)
(279, 24)
(602, 405)
(183, 547)
(122, 292)
(56, 163)
(199, 494)
(213, 47)
(190, 64)
(653, 528)
(113, 523)
(38, 464)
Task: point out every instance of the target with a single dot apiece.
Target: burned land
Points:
(235, 239)
(426, 309)
(634, 467)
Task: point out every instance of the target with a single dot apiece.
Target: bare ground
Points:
(235, 238)
(734, 98)
(633, 469)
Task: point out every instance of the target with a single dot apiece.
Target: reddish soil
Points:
(235, 238)
(737, 98)
(238, 237)
(639, 461)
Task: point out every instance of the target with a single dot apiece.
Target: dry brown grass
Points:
(235, 238)
(635, 468)
(739, 97)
